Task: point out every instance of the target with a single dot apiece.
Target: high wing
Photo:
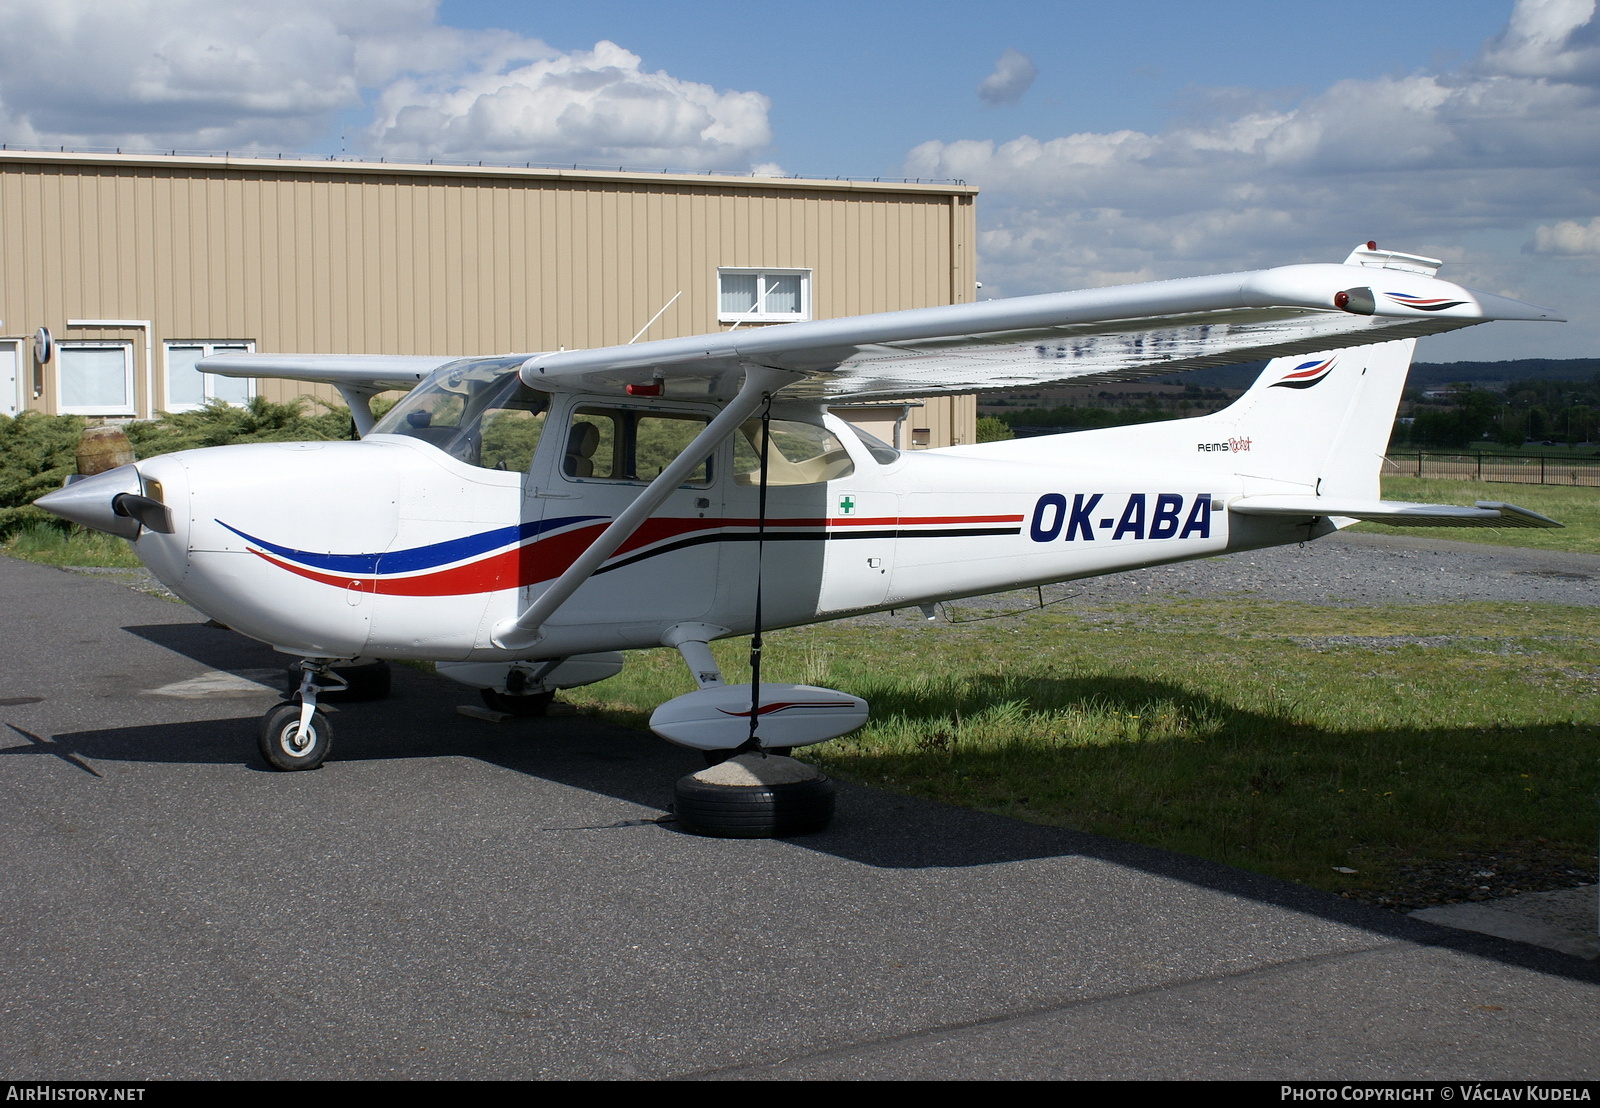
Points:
(358, 377)
(376, 372)
(1119, 333)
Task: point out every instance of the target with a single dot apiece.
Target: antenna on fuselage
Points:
(655, 317)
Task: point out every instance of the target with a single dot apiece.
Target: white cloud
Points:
(1421, 162)
(188, 72)
(587, 106)
(1013, 75)
(1546, 38)
(207, 75)
(1568, 237)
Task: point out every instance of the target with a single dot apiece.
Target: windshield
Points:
(477, 410)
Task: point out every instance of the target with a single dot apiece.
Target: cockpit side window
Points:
(478, 412)
(625, 444)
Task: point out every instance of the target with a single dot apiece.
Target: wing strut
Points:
(359, 399)
(527, 628)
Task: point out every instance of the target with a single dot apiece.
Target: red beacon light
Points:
(652, 389)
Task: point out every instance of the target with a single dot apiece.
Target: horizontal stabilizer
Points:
(1396, 513)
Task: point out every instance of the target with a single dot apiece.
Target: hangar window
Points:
(94, 378)
(763, 295)
(188, 388)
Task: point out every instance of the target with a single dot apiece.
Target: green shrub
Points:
(991, 429)
(38, 452)
(219, 424)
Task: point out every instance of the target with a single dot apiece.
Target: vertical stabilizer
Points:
(1322, 421)
(1311, 425)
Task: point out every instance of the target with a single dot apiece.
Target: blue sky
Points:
(1112, 142)
(854, 86)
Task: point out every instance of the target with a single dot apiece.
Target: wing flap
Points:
(1395, 513)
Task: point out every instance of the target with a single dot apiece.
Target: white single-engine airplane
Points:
(520, 519)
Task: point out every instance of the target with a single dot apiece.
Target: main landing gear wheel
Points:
(754, 796)
(371, 681)
(527, 705)
(283, 745)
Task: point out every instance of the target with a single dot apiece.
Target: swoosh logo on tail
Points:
(1306, 374)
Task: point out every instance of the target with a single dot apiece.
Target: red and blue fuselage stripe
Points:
(422, 571)
(417, 557)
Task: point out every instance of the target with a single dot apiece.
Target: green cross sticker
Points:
(847, 506)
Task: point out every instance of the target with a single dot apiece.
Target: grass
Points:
(1284, 738)
(1578, 509)
(50, 545)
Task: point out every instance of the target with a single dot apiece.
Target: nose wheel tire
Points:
(282, 744)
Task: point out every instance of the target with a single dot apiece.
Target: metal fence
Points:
(1511, 468)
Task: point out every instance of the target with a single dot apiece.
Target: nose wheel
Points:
(286, 744)
(296, 735)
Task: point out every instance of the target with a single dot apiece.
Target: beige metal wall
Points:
(335, 257)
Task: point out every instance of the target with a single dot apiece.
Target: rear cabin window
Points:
(801, 454)
(623, 444)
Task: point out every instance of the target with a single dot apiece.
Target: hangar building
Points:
(139, 265)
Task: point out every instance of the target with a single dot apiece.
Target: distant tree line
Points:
(1079, 418)
(1110, 409)
(1441, 417)
(1524, 411)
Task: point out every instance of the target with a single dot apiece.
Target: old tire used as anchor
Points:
(754, 796)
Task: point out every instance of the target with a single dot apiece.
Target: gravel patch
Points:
(1341, 569)
(139, 580)
(1369, 569)
(1482, 876)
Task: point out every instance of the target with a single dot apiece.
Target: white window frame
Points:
(208, 347)
(759, 315)
(60, 361)
(14, 404)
